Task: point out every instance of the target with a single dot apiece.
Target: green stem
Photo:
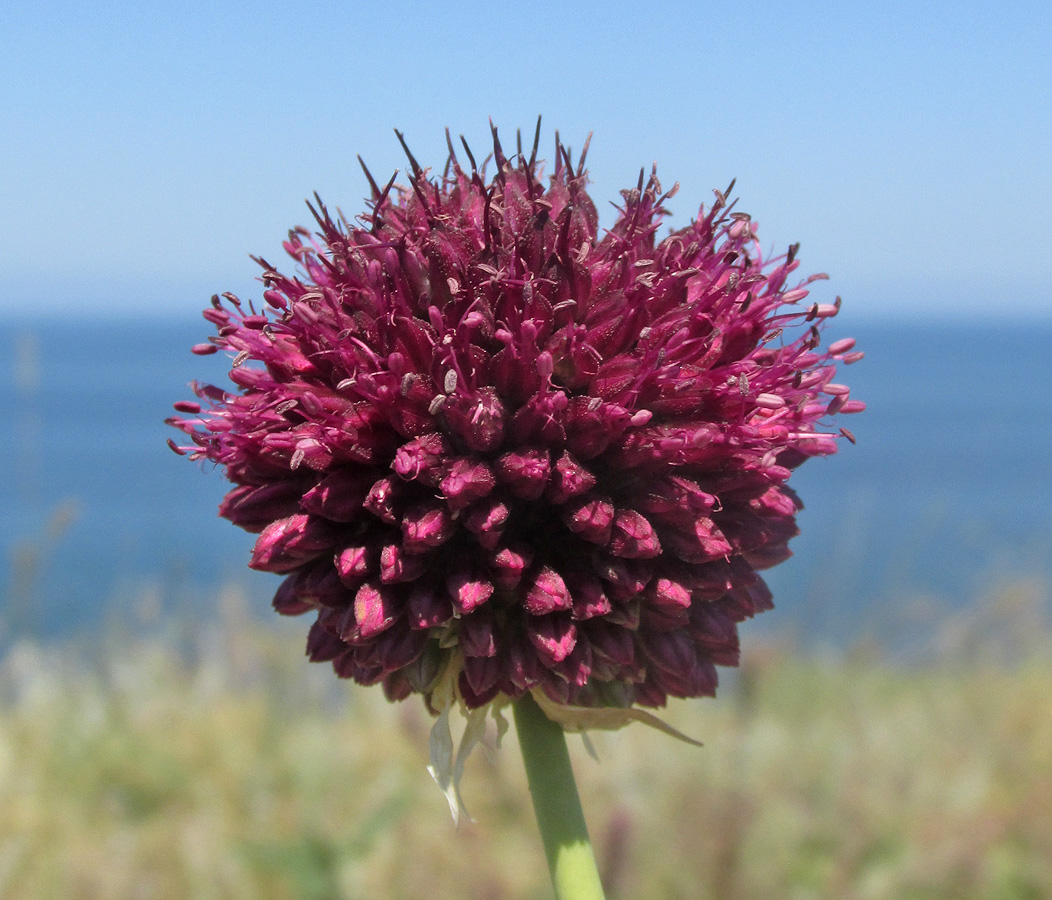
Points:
(556, 803)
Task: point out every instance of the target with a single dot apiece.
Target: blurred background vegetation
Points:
(205, 759)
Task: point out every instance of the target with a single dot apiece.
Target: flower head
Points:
(491, 447)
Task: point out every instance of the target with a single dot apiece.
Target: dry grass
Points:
(236, 770)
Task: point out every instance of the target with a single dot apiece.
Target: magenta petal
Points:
(312, 586)
(398, 647)
(428, 606)
(479, 681)
(553, 637)
(612, 642)
(715, 632)
(669, 593)
(423, 459)
(468, 588)
(701, 543)
(577, 666)
(425, 527)
(508, 564)
(673, 652)
(396, 686)
(680, 671)
(354, 564)
(521, 665)
(477, 636)
(569, 479)
(486, 520)
(383, 500)
(286, 544)
(589, 598)
(698, 681)
(633, 536)
(338, 496)
(466, 482)
(322, 644)
(592, 518)
(289, 601)
(479, 422)
(594, 425)
(625, 578)
(525, 472)
(547, 593)
(398, 566)
(375, 610)
(254, 507)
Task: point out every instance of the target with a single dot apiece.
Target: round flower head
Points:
(493, 448)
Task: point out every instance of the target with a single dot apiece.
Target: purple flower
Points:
(484, 442)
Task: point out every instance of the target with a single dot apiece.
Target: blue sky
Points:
(146, 149)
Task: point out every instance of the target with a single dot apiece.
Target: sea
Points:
(946, 498)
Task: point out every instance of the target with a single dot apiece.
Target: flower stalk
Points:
(567, 847)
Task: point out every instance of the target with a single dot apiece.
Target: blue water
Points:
(948, 491)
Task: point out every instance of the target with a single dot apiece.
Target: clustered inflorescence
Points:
(483, 441)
